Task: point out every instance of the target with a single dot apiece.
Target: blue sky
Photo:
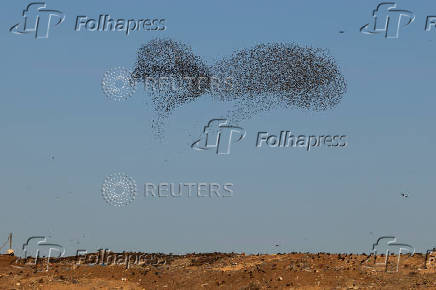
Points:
(323, 200)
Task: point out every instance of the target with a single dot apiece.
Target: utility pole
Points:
(10, 250)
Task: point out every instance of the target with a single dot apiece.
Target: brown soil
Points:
(225, 271)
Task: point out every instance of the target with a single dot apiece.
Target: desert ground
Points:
(220, 270)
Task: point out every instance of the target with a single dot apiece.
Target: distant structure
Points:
(430, 259)
(10, 251)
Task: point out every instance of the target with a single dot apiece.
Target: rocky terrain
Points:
(219, 270)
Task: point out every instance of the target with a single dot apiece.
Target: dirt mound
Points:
(220, 270)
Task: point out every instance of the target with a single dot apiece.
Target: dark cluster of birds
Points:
(171, 71)
(275, 75)
(256, 79)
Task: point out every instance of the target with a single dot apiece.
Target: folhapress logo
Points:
(219, 135)
(38, 248)
(38, 20)
(388, 20)
(383, 249)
